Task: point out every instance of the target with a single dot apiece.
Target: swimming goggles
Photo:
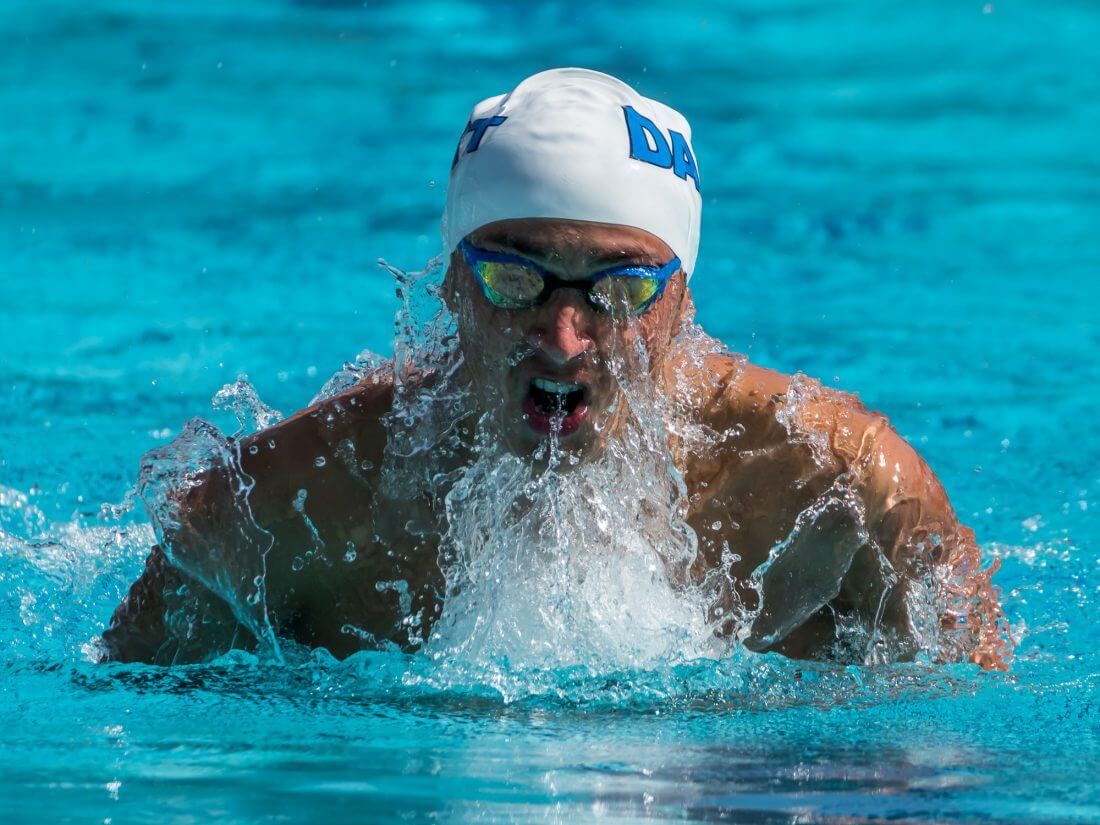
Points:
(513, 282)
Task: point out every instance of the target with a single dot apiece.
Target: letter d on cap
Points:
(644, 132)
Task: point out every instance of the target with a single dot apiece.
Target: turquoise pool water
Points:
(902, 199)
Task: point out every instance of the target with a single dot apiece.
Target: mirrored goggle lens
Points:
(621, 293)
(510, 285)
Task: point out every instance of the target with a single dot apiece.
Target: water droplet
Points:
(319, 461)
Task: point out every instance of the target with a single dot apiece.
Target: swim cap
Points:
(577, 144)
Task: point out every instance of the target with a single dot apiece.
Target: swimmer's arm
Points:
(286, 494)
(934, 562)
(869, 549)
(219, 542)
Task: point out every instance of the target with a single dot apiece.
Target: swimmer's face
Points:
(548, 370)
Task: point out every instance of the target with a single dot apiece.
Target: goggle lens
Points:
(510, 285)
(623, 293)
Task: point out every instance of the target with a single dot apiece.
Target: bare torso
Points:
(346, 562)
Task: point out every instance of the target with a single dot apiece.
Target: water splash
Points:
(241, 399)
(60, 581)
(571, 572)
(548, 562)
(353, 372)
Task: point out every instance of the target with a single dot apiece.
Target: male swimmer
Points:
(572, 226)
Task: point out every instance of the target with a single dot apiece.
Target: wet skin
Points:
(746, 491)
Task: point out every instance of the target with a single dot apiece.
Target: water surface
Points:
(900, 199)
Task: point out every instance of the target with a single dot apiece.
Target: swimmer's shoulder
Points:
(332, 451)
(328, 449)
(741, 396)
(345, 414)
(765, 406)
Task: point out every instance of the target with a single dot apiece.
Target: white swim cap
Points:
(578, 144)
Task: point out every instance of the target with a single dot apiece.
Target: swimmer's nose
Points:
(561, 330)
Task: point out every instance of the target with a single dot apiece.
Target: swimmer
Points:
(572, 226)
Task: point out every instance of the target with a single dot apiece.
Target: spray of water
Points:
(548, 561)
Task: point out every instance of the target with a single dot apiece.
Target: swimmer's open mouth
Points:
(555, 406)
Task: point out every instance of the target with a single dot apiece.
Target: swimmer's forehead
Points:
(569, 245)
